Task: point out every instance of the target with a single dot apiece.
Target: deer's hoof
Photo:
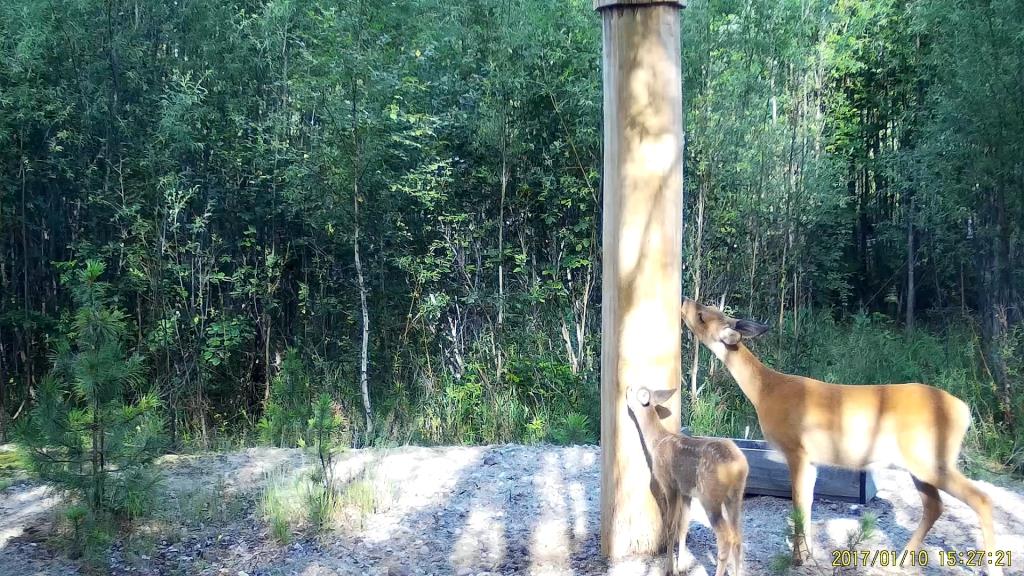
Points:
(798, 558)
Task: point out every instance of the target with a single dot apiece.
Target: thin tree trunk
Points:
(695, 365)
(581, 323)
(721, 306)
(1001, 310)
(910, 268)
(26, 301)
(364, 384)
(501, 250)
(97, 480)
(993, 298)
(796, 306)
(3, 392)
(782, 286)
(753, 276)
(267, 376)
(963, 292)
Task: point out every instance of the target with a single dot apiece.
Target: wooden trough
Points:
(769, 476)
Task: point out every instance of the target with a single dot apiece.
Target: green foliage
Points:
(221, 182)
(781, 563)
(96, 426)
(279, 527)
(290, 409)
(282, 504)
(864, 531)
(324, 427)
(722, 411)
(368, 493)
(360, 494)
(12, 463)
(87, 536)
(540, 401)
(575, 428)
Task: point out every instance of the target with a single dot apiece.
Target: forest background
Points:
(239, 216)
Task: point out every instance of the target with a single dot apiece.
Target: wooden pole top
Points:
(602, 4)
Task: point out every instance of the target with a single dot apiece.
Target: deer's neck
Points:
(651, 429)
(747, 370)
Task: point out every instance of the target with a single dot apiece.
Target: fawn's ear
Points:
(729, 336)
(750, 329)
(661, 396)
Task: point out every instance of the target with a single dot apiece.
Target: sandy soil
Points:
(463, 511)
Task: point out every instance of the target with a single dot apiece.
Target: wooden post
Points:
(642, 251)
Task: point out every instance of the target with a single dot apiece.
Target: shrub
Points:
(290, 406)
(96, 428)
(574, 428)
(282, 503)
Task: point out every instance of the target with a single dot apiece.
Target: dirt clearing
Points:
(456, 510)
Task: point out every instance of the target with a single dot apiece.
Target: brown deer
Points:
(712, 469)
(914, 426)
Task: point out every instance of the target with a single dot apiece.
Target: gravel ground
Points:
(470, 511)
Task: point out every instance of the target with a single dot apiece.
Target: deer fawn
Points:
(714, 470)
(915, 426)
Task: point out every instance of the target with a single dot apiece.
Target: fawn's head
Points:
(718, 332)
(641, 398)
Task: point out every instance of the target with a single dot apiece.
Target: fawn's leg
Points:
(682, 527)
(734, 511)
(723, 534)
(669, 527)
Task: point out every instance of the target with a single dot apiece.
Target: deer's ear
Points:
(750, 329)
(729, 336)
(661, 396)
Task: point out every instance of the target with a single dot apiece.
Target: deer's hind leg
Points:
(941, 472)
(961, 487)
(932, 509)
(724, 532)
(734, 515)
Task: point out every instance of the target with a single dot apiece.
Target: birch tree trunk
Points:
(364, 380)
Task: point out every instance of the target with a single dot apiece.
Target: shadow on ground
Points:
(487, 510)
(493, 510)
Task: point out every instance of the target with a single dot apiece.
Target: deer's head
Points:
(641, 398)
(720, 333)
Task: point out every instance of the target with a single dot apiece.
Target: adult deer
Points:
(914, 426)
(712, 469)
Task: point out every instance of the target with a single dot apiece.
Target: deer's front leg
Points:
(803, 475)
(682, 527)
(669, 526)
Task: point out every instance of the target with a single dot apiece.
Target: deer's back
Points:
(706, 467)
(857, 425)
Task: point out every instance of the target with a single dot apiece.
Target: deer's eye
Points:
(700, 316)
